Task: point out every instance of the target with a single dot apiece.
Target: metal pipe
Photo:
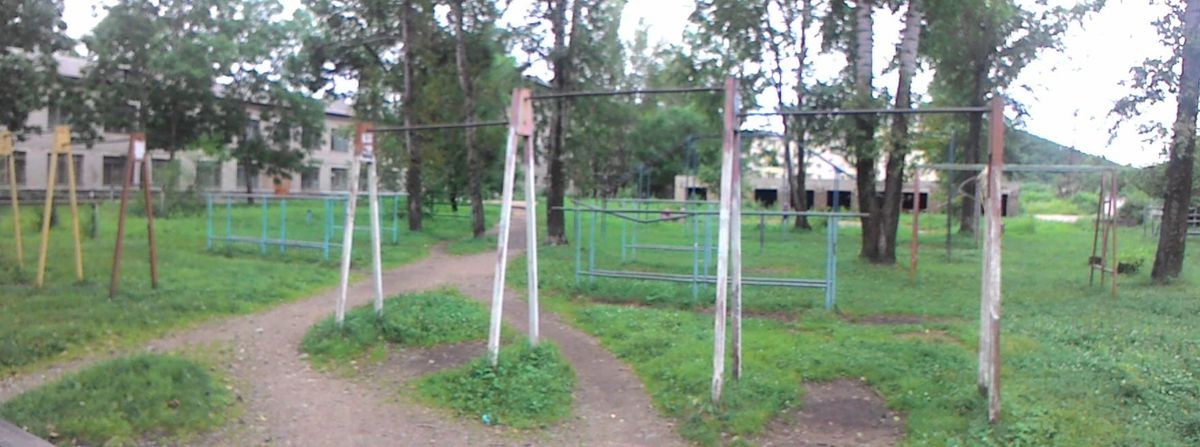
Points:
(838, 112)
(441, 126)
(976, 167)
(648, 91)
(682, 214)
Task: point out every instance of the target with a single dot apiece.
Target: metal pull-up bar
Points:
(647, 91)
(417, 127)
(838, 112)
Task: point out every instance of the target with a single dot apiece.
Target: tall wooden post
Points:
(136, 155)
(366, 149)
(520, 99)
(728, 154)
(525, 129)
(993, 249)
(6, 151)
(339, 313)
(61, 147)
(735, 251)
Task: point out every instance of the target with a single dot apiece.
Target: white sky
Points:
(1068, 95)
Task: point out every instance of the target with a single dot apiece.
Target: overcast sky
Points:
(1068, 95)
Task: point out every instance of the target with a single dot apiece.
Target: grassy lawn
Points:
(1080, 368)
(418, 320)
(68, 318)
(528, 387)
(162, 399)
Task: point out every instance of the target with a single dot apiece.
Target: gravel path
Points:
(289, 403)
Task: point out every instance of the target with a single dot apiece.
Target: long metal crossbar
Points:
(282, 242)
(698, 248)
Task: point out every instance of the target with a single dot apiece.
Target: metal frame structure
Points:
(828, 283)
(135, 156)
(364, 152)
(264, 240)
(60, 146)
(6, 152)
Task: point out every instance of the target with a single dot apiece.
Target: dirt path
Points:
(288, 403)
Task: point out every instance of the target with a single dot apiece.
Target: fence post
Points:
(283, 226)
(263, 241)
(208, 227)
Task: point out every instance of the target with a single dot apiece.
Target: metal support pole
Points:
(521, 124)
(347, 242)
(950, 202)
(592, 248)
(396, 219)
(623, 224)
(531, 252)
(208, 227)
(729, 151)
(228, 221)
(265, 224)
(578, 246)
(328, 228)
(707, 243)
(831, 247)
(282, 226)
(695, 259)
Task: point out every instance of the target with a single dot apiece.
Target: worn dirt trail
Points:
(289, 403)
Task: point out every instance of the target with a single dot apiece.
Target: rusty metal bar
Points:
(149, 205)
(840, 112)
(648, 91)
(441, 126)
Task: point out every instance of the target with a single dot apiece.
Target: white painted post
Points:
(373, 197)
(531, 253)
(985, 279)
(729, 140)
(347, 242)
(510, 166)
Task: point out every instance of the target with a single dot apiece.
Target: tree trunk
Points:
(893, 189)
(412, 178)
(561, 58)
(862, 137)
(474, 162)
(1168, 261)
(972, 148)
(799, 127)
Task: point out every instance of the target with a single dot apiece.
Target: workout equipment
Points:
(61, 147)
(135, 156)
(6, 152)
(364, 152)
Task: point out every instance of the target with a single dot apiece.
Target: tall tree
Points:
(1155, 79)
(898, 143)
(800, 126)
(412, 176)
(467, 84)
(862, 136)
(31, 32)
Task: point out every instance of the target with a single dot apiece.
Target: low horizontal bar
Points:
(309, 196)
(667, 247)
(648, 91)
(441, 126)
(836, 112)
(671, 277)
(1021, 168)
(276, 242)
(714, 212)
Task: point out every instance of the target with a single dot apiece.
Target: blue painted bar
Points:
(328, 227)
(592, 248)
(228, 220)
(578, 247)
(263, 244)
(208, 228)
(282, 225)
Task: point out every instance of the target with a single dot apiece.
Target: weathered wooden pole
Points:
(525, 129)
(140, 152)
(735, 261)
(137, 149)
(993, 251)
(520, 98)
(728, 154)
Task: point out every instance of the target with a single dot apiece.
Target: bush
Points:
(528, 387)
(128, 401)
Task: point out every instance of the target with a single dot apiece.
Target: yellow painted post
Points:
(6, 150)
(64, 134)
(51, 180)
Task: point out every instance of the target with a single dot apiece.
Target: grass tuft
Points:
(529, 387)
(418, 320)
(142, 399)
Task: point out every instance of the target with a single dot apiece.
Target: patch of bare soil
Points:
(838, 413)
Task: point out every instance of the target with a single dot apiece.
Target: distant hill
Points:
(1023, 147)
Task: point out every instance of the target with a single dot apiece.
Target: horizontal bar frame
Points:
(648, 91)
(442, 126)
(839, 112)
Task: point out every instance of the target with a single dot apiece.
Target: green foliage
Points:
(147, 398)
(529, 387)
(31, 33)
(418, 320)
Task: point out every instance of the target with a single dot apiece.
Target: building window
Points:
(18, 163)
(158, 171)
(56, 116)
(61, 175)
(242, 179)
(310, 179)
(338, 142)
(339, 179)
(208, 175)
(253, 130)
(114, 171)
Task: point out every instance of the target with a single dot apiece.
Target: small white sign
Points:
(368, 138)
(139, 150)
(368, 150)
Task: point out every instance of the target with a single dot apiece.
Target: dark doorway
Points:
(809, 197)
(697, 193)
(907, 201)
(767, 197)
(842, 201)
